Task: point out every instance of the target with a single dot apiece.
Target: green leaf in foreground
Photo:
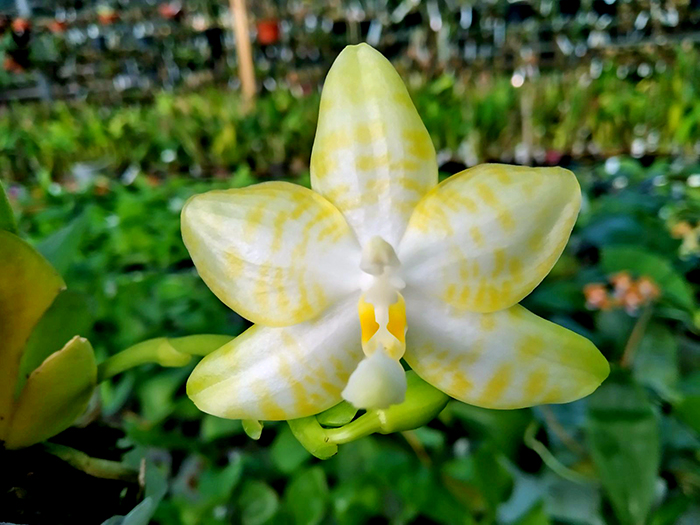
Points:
(623, 435)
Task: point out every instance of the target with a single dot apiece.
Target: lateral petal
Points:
(281, 373)
(507, 359)
(276, 253)
(485, 238)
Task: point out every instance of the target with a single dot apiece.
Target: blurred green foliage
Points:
(471, 117)
(629, 454)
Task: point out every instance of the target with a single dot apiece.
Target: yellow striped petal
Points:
(281, 373)
(372, 156)
(276, 253)
(507, 359)
(485, 238)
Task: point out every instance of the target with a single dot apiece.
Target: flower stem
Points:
(168, 352)
(636, 337)
(548, 458)
(364, 425)
(99, 468)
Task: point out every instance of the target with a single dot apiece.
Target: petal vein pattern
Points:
(485, 238)
(281, 373)
(372, 156)
(276, 253)
(503, 360)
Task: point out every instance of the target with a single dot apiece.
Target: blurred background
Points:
(113, 113)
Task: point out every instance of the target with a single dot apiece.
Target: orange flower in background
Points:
(621, 291)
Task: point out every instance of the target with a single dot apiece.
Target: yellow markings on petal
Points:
(460, 384)
(280, 373)
(276, 253)
(478, 239)
(371, 142)
(417, 145)
(483, 219)
(496, 386)
(512, 358)
(536, 383)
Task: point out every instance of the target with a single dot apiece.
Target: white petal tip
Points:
(378, 382)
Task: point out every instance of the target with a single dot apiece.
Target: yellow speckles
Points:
(499, 262)
(505, 219)
(402, 98)
(328, 230)
(407, 166)
(460, 384)
(464, 295)
(535, 384)
(271, 409)
(450, 296)
(476, 236)
(331, 141)
(530, 346)
(372, 162)
(369, 132)
(419, 143)
(278, 231)
(377, 186)
(502, 176)
(553, 395)
(252, 222)
(498, 384)
(515, 267)
(322, 164)
(339, 369)
(486, 195)
(488, 322)
(288, 340)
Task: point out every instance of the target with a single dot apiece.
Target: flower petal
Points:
(372, 156)
(485, 238)
(276, 253)
(507, 359)
(281, 373)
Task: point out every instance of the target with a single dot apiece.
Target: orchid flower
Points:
(379, 263)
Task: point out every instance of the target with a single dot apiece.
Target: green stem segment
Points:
(423, 402)
(99, 468)
(168, 352)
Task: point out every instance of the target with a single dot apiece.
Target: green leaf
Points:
(688, 411)
(56, 393)
(7, 218)
(61, 247)
(306, 496)
(656, 361)
(259, 503)
(68, 316)
(28, 286)
(642, 262)
(287, 454)
(623, 435)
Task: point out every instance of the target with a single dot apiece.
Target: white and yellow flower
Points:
(379, 263)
